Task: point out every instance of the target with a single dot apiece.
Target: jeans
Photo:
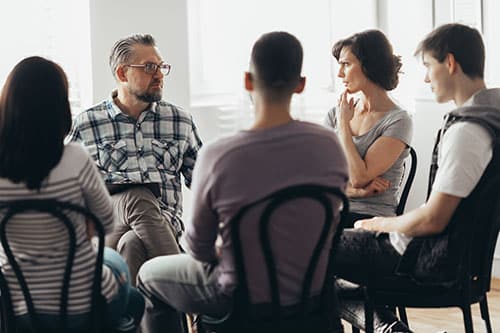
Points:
(364, 257)
(125, 308)
(175, 284)
(128, 303)
(142, 232)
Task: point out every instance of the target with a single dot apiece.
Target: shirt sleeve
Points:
(330, 119)
(465, 152)
(96, 196)
(202, 228)
(189, 158)
(399, 126)
(74, 133)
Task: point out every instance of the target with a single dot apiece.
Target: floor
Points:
(450, 320)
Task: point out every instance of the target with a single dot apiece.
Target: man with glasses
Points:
(141, 145)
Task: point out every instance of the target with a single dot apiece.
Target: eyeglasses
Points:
(151, 68)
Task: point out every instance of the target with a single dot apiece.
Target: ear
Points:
(120, 74)
(300, 85)
(451, 63)
(249, 81)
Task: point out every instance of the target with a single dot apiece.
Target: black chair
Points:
(408, 180)
(58, 209)
(474, 267)
(474, 274)
(356, 292)
(311, 312)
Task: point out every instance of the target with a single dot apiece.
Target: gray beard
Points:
(149, 98)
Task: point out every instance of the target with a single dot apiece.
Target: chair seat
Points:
(394, 291)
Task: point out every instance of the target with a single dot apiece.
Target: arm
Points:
(96, 197)
(189, 157)
(379, 158)
(203, 227)
(74, 134)
(376, 186)
(429, 219)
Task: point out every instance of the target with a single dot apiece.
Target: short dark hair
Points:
(122, 51)
(465, 43)
(375, 53)
(277, 63)
(35, 116)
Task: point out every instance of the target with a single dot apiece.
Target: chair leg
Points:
(369, 316)
(402, 315)
(467, 319)
(185, 323)
(485, 314)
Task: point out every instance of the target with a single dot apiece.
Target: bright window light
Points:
(54, 29)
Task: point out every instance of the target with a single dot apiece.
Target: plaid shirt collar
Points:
(114, 111)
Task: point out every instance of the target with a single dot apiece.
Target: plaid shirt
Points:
(156, 148)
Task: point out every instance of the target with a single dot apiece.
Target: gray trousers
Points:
(178, 284)
(141, 231)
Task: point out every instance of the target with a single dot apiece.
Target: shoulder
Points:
(399, 114)
(73, 161)
(397, 120)
(468, 133)
(307, 128)
(168, 109)
(331, 118)
(98, 110)
(75, 153)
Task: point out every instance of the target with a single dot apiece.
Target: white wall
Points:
(167, 22)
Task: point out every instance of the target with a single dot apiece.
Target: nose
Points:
(426, 78)
(341, 72)
(158, 74)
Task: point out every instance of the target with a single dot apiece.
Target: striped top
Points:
(40, 242)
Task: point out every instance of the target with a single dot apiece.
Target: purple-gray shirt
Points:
(240, 169)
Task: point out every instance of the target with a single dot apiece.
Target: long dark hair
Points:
(35, 117)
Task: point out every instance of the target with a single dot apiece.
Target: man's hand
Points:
(373, 224)
(429, 219)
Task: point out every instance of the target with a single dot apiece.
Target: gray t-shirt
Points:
(243, 168)
(396, 124)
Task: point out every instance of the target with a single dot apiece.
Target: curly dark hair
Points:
(375, 53)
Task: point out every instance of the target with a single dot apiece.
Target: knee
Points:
(149, 270)
(161, 271)
(132, 248)
(129, 243)
(140, 196)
